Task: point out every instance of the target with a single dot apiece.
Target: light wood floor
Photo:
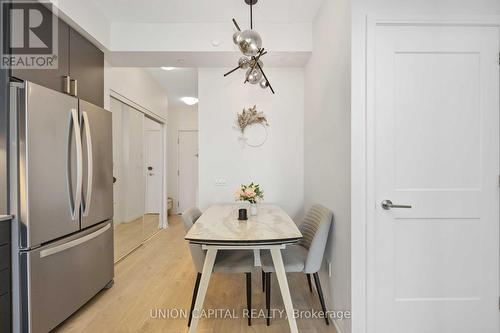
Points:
(151, 224)
(131, 234)
(160, 275)
(127, 236)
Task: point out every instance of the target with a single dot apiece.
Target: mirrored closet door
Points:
(153, 153)
(138, 172)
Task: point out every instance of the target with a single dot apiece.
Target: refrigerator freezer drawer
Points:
(63, 276)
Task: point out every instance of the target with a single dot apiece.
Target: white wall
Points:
(136, 85)
(277, 165)
(185, 118)
(361, 10)
(327, 142)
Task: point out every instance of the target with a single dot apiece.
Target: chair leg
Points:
(320, 293)
(263, 281)
(309, 282)
(193, 299)
(249, 297)
(268, 298)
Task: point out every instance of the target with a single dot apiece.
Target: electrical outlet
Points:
(220, 182)
(330, 271)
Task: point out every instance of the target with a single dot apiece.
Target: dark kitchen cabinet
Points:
(78, 59)
(50, 78)
(86, 66)
(5, 313)
(5, 272)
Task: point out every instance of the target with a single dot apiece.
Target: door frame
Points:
(363, 198)
(163, 124)
(178, 164)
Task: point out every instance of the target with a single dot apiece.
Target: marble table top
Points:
(220, 224)
(5, 217)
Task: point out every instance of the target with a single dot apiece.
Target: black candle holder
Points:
(242, 214)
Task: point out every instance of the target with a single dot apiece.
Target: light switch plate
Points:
(330, 271)
(220, 182)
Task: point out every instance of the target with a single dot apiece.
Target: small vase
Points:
(253, 209)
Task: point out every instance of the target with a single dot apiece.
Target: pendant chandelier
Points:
(250, 44)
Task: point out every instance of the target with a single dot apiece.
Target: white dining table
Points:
(218, 228)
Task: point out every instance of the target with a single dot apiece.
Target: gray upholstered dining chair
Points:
(305, 256)
(237, 261)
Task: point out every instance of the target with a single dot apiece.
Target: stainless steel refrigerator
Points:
(61, 194)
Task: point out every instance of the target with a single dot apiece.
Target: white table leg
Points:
(285, 290)
(256, 258)
(202, 289)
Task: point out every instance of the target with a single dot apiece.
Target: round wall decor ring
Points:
(253, 142)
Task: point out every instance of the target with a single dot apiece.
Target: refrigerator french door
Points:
(62, 194)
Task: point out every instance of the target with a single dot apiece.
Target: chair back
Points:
(315, 229)
(189, 217)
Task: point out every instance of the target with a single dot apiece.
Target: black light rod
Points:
(251, 15)
(236, 25)
(265, 77)
(232, 70)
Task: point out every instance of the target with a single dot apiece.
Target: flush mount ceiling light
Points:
(250, 44)
(189, 100)
(168, 68)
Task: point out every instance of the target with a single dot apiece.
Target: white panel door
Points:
(188, 170)
(435, 265)
(154, 170)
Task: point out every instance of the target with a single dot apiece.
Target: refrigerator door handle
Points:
(90, 163)
(75, 214)
(73, 243)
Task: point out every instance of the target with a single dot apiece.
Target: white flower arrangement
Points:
(251, 193)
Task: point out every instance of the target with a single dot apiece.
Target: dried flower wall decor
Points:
(250, 117)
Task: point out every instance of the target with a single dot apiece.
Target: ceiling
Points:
(156, 11)
(179, 82)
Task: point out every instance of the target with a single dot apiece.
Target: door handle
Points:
(73, 87)
(90, 163)
(387, 205)
(79, 166)
(73, 243)
(67, 84)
